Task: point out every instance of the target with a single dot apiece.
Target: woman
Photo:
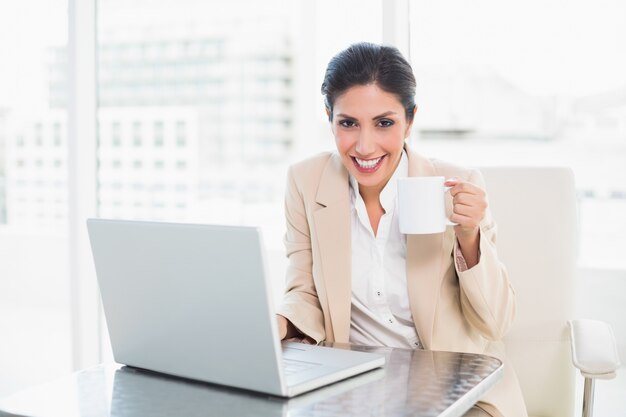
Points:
(352, 277)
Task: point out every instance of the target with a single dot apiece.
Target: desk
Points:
(416, 383)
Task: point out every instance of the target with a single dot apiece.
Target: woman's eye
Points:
(385, 123)
(347, 123)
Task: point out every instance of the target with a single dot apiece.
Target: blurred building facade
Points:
(181, 122)
(148, 162)
(36, 172)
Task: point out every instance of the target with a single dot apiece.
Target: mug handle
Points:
(448, 222)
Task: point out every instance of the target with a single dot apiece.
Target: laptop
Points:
(194, 301)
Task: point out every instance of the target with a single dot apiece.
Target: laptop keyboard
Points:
(292, 366)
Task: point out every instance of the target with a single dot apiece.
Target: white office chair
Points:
(536, 212)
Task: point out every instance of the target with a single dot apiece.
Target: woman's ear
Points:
(328, 116)
(407, 133)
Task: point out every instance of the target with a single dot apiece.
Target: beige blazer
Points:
(466, 311)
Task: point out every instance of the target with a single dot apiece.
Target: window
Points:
(137, 134)
(181, 133)
(158, 134)
(491, 91)
(116, 134)
(57, 134)
(34, 296)
(38, 134)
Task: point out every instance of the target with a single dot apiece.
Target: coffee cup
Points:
(421, 205)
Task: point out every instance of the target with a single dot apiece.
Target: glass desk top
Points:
(417, 383)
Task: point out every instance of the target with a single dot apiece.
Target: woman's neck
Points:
(371, 195)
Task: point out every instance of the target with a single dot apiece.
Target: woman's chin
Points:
(369, 180)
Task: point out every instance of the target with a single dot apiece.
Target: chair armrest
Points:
(594, 351)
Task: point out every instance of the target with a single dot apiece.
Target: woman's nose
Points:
(365, 145)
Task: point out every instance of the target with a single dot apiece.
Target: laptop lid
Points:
(193, 301)
(188, 300)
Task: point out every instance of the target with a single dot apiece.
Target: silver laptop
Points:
(194, 301)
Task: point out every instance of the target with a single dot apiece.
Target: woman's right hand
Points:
(288, 332)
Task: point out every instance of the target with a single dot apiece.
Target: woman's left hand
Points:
(469, 207)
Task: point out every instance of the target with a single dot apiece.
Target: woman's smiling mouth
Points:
(367, 165)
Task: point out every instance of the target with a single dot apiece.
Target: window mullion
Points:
(85, 309)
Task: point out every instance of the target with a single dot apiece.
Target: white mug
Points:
(421, 205)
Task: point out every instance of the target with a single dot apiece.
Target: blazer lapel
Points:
(332, 226)
(423, 263)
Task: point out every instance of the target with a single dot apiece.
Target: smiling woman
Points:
(352, 276)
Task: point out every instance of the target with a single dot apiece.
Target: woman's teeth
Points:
(367, 164)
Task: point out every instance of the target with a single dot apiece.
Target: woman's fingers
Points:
(469, 205)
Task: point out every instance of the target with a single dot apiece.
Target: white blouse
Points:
(381, 314)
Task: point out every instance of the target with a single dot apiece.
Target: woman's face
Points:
(370, 126)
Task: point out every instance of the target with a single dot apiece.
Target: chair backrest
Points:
(536, 213)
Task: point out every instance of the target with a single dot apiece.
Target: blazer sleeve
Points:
(300, 304)
(487, 296)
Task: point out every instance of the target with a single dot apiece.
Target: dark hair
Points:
(367, 63)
